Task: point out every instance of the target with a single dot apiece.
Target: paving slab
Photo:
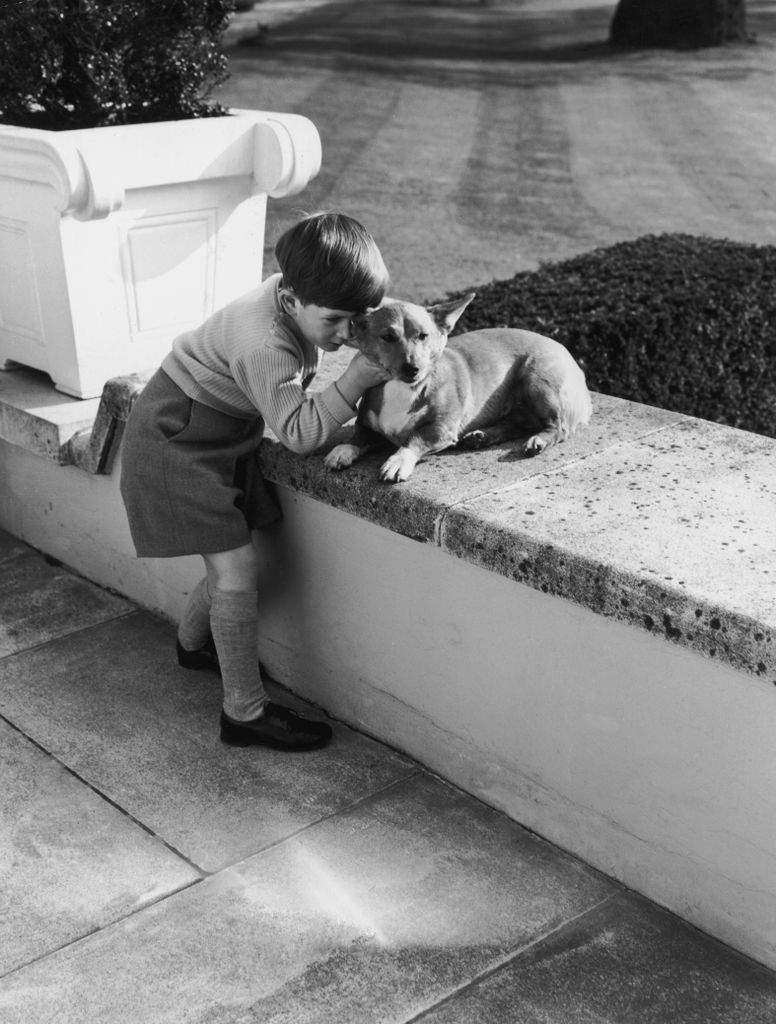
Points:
(112, 704)
(372, 916)
(70, 863)
(626, 962)
(40, 602)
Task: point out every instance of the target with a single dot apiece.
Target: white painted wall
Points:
(80, 520)
(645, 759)
(649, 761)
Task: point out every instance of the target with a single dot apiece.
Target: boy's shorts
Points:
(190, 477)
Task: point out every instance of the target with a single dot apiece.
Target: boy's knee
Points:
(233, 570)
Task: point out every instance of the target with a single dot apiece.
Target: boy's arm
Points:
(300, 420)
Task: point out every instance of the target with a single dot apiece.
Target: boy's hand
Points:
(362, 373)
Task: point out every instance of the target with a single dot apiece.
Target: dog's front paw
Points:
(341, 457)
(473, 440)
(399, 467)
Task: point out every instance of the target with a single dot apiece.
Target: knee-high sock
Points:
(234, 621)
(194, 627)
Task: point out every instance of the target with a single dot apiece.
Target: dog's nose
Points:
(409, 372)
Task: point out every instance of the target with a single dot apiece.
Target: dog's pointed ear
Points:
(446, 314)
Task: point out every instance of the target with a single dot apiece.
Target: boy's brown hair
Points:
(331, 260)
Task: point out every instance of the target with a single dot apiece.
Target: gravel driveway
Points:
(479, 139)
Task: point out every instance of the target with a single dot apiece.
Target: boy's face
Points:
(326, 328)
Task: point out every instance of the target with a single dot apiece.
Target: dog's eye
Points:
(422, 336)
(390, 337)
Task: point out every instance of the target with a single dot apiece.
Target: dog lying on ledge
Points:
(472, 390)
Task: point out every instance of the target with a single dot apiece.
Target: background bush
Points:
(675, 321)
(83, 63)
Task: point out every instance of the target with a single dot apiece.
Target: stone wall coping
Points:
(38, 418)
(648, 517)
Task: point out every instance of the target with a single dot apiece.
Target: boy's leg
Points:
(194, 627)
(234, 622)
(248, 716)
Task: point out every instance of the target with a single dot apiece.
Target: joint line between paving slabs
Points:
(312, 824)
(506, 960)
(80, 629)
(112, 803)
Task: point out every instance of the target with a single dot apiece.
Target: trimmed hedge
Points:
(86, 63)
(677, 321)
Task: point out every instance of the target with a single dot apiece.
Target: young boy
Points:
(190, 479)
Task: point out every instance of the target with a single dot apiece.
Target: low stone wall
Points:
(584, 640)
(648, 517)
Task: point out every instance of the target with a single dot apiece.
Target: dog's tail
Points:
(576, 406)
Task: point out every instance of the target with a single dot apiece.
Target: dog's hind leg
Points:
(537, 443)
(495, 433)
(558, 416)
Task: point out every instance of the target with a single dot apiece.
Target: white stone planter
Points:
(114, 240)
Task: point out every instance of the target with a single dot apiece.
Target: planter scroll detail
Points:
(113, 240)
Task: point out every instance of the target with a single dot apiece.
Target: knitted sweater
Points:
(249, 360)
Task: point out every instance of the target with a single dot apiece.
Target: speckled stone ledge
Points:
(36, 417)
(69, 431)
(662, 521)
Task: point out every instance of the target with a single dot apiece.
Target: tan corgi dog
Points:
(472, 390)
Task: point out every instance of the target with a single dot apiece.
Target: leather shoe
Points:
(278, 727)
(206, 657)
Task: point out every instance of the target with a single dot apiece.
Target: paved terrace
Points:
(149, 874)
(152, 875)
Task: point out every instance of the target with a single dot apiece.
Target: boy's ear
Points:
(288, 299)
(446, 314)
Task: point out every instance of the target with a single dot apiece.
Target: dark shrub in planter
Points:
(675, 321)
(84, 63)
